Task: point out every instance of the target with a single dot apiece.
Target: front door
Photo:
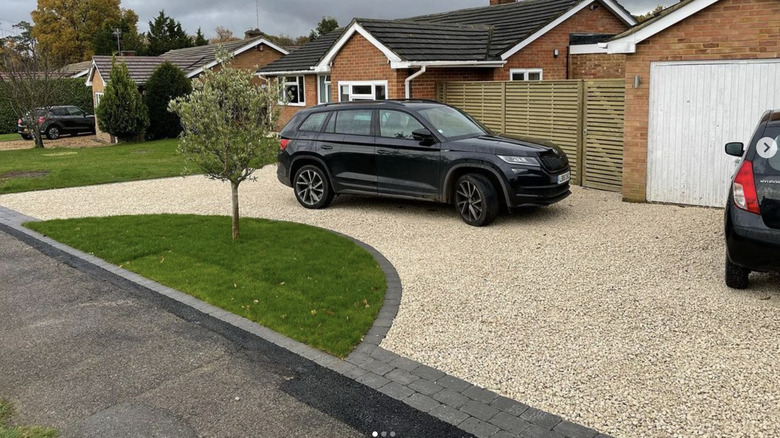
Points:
(405, 167)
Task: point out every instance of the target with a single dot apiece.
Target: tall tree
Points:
(105, 40)
(326, 25)
(122, 112)
(224, 35)
(227, 123)
(200, 39)
(23, 43)
(166, 34)
(65, 28)
(166, 83)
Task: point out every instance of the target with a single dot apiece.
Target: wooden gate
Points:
(585, 118)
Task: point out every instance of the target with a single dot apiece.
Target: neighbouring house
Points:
(77, 70)
(248, 54)
(697, 75)
(396, 59)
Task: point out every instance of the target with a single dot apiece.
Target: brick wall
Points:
(729, 29)
(424, 87)
(597, 66)
(539, 54)
(310, 91)
(254, 58)
(359, 60)
(98, 86)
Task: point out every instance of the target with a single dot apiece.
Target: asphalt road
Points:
(97, 356)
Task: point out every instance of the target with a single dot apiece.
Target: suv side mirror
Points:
(735, 149)
(424, 136)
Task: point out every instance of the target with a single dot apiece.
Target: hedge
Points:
(74, 92)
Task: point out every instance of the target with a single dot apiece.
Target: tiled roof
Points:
(76, 68)
(306, 56)
(207, 53)
(142, 67)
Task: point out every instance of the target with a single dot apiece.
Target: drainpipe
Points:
(408, 81)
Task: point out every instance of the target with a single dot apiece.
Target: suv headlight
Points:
(521, 161)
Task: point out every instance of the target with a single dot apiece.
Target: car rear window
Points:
(767, 158)
(314, 122)
(287, 131)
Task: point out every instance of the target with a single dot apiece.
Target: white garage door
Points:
(695, 109)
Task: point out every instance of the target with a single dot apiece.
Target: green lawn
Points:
(38, 169)
(301, 281)
(6, 412)
(9, 137)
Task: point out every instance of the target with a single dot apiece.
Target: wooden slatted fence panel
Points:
(603, 151)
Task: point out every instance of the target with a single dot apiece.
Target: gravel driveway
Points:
(610, 314)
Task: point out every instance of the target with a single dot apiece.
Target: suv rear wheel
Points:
(476, 200)
(736, 276)
(311, 187)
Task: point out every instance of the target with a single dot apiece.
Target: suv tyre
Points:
(312, 189)
(476, 200)
(736, 276)
(53, 132)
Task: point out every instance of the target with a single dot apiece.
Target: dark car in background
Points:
(59, 120)
(416, 149)
(752, 218)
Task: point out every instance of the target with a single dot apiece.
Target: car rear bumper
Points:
(283, 168)
(750, 243)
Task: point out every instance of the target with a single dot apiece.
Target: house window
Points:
(363, 90)
(98, 96)
(324, 89)
(525, 74)
(294, 88)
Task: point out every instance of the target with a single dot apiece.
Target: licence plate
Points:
(25, 130)
(564, 177)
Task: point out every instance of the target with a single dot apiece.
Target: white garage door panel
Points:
(695, 109)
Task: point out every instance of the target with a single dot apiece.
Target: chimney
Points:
(253, 33)
(500, 2)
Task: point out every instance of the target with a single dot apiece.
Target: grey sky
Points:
(291, 17)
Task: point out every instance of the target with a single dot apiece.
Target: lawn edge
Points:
(477, 411)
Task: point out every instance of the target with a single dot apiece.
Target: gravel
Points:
(68, 141)
(612, 315)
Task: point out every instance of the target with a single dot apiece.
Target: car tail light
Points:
(745, 196)
(284, 143)
(41, 120)
(19, 122)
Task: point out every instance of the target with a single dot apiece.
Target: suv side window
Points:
(75, 111)
(60, 112)
(353, 122)
(397, 124)
(314, 122)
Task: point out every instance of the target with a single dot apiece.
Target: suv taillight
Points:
(41, 120)
(283, 143)
(745, 196)
(19, 122)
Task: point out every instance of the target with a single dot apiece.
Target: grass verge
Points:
(304, 282)
(39, 169)
(9, 137)
(6, 412)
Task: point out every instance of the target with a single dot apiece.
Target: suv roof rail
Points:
(398, 102)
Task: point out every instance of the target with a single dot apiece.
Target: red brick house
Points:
(396, 59)
(247, 54)
(698, 75)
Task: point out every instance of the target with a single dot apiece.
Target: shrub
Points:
(122, 112)
(166, 83)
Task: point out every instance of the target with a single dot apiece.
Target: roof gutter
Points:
(408, 81)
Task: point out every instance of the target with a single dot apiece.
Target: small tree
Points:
(30, 84)
(326, 25)
(122, 112)
(227, 123)
(200, 39)
(166, 83)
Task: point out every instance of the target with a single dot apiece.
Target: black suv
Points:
(753, 209)
(59, 120)
(416, 149)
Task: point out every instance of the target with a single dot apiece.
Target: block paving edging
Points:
(473, 409)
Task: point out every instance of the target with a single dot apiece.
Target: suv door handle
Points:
(325, 146)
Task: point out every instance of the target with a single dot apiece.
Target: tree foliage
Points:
(104, 41)
(224, 35)
(22, 44)
(122, 112)
(65, 28)
(166, 83)
(649, 15)
(326, 25)
(200, 39)
(166, 34)
(227, 123)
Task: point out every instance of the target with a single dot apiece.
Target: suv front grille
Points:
(553, 162)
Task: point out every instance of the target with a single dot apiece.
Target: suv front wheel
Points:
(311, 187)
(476, 200)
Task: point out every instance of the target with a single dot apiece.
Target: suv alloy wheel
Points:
(475, 200)
(312, 189)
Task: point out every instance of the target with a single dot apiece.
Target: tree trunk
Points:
(37, 137)
(234, 186)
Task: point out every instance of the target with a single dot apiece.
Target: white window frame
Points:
(98, 96)
(328, 84)
(371, 96)
(526, 72)
(300, 81)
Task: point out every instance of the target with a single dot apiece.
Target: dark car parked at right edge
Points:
(416, 150)
(753, 210)
(66, 119)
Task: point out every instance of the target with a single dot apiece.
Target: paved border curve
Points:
(473, 409)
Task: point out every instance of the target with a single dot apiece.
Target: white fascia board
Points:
(287, 73)
(237, 52)
(92, 69)
(588, 49)
(355, 28)
(538, 34)
(80, 74)
(628, 43)
(418, 64)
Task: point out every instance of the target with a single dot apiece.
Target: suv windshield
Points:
(451, 123)
(771, 165)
